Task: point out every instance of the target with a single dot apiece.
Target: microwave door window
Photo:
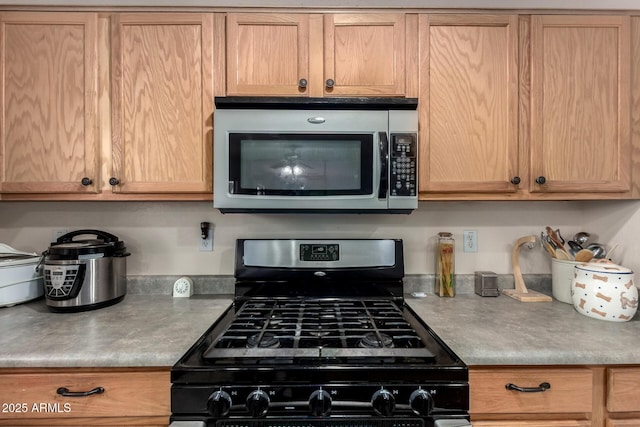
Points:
(302, 165)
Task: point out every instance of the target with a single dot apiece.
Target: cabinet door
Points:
(468, 103)
(580, 97)
(119, 397)
(622, 387)
(267, 54)
(49, 102)
(364, 54)
(162, 102)
(570, 391)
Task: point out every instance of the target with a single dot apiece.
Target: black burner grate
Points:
(318, 328)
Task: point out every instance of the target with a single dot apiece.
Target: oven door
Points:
(290, 160)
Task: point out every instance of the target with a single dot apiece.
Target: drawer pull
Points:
(542, 387)
(63, 391)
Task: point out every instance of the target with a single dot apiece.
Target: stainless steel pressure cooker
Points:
(85, 274)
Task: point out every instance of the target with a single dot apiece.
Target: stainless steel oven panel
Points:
(352, 253)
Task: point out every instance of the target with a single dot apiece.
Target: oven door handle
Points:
(187, 424)
(383, 143)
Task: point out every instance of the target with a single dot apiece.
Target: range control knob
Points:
(421, 402)
(383, 402)
(219, 404)
(320, 403)
(257, 403)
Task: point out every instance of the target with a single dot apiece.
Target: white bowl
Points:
(604, 291)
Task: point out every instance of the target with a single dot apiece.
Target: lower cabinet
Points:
(531, 397)
(80, 397)
(555, 396)
(623, 404)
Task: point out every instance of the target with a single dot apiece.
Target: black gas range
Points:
(319, 335)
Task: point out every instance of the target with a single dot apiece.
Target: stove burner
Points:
(263, 341)
(373, 340)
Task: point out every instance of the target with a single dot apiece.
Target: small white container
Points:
(20, 280)
(604, 291)
(562, 274)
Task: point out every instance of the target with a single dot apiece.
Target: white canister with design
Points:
(604, 290)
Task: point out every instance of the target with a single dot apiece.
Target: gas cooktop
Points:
(330, 330)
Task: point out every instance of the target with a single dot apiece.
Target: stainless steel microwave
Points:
(315, 155)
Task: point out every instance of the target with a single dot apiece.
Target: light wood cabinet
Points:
(580, 104)
(546, 423)
(539, 111)
(124, 397)
(622, 396)
(162, 102)
(48, 138)
(468, 103)
(320, 55)
(568, 400)
(624, 423)
(111, 107)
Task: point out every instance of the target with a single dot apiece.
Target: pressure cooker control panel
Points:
(403, 156)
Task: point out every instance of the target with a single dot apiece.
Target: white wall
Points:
(163, 237)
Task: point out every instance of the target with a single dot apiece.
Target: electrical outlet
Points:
(470, 241)
(206, 245)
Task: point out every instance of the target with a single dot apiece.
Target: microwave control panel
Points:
(403, 157)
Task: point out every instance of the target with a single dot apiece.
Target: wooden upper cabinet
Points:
(316, 55)
(49, 114)
(162, 102)
(580, 104)
(364, 54)
(468, 103)
(267, 54)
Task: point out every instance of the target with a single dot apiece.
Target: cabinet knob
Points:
(541, 180)
(330, 83)
(86, 181)
(515, 180)
(302, 83)
(114, 181)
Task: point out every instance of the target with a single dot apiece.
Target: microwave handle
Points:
(383, 143)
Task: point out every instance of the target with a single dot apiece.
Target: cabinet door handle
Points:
(63, 391)
(86, 181)
(302, 83)
(330, 83)
(541, 388)
(515, 180)
(114, 181)
(541, 180)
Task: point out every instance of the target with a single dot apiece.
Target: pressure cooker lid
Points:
(67, 246)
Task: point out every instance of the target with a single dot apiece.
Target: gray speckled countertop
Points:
(155, 330)
(503, 331)
(142, 330)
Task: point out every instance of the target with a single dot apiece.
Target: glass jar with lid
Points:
(445, 263)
